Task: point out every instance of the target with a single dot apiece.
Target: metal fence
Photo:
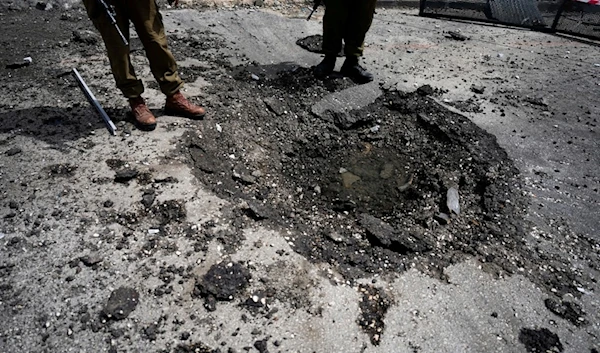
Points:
(576, 17)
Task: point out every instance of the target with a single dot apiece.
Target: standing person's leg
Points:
(148, 24)
(335, 21)
(150, 28)
(120, 61)
(361, 18)
(117, 52)
(334, 24)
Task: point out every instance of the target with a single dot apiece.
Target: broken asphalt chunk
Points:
(85, 37)
(91, 259)
(169, 211)
(425, 90)
(348, 120)
(379, 231)
(456, 36)
(197, 347)
(242, 174)
(125, 175)
(340, 205)
(255, 211)
(275, 105)
(13, 151)
(261, 345)
(121, 303)
(167, 180)
(148, 198)
(63, 170)
(567, 310)
(539, 101)
(477, 89)
(223, 282)
(203, 159)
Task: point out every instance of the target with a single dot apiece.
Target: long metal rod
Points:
(113, 21)
(316, 4)
(94, 102)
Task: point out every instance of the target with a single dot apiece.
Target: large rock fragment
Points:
(121, 303)
(222, 282)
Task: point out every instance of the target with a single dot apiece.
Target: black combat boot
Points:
(325, 67)
(355, 72)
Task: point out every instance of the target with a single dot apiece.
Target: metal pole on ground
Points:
(94, 102)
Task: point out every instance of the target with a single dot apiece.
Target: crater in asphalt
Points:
(366, 189)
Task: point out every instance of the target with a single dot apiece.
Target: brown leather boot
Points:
(178, 105)
(144, 119)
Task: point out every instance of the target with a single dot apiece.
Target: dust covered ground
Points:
(450, 205)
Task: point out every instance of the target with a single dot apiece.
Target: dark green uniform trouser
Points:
(148, 24)
(347, 20)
